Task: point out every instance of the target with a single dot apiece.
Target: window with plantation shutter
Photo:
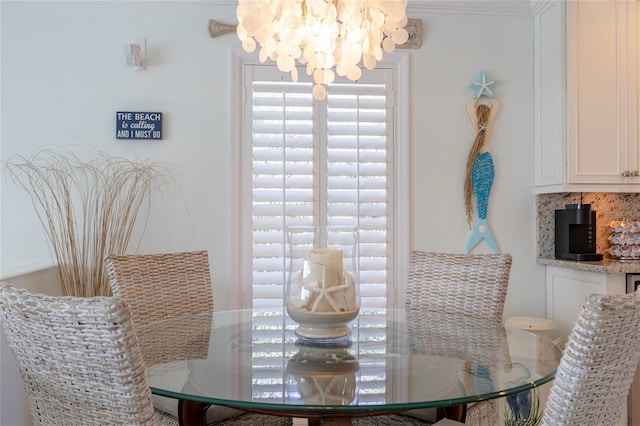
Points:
(300, 161)
(319, 163)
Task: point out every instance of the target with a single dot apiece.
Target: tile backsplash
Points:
(607, 205)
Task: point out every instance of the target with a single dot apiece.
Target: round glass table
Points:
(393, 361)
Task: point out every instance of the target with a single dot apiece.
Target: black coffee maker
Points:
(576, 233)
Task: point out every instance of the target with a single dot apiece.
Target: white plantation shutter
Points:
(309, 162)
(319, 163)
(282, 169)
(358, 176)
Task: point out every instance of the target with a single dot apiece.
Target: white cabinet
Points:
(602, 54)
(550, 96)
(567, 290)
(587, 114)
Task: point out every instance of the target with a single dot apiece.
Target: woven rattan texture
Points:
(468, 284)
(79, 359)
(486, 415)
(483, 413)
(483, 342)
(457, 336)
(389, 420)
(166, 419)
(252, 419)
(160, 286)
(598, 363)
(171, 299)
(166, 292)
(183, 338)
(473, 285)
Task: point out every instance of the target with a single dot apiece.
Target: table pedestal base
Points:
(191, 413)
(455, 412)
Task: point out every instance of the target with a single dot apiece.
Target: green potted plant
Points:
(523, 409)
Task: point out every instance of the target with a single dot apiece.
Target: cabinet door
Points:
(587, 58)
(567, 290)
(596, 67)
(550, 94)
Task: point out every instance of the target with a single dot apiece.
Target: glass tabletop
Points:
(394, 360)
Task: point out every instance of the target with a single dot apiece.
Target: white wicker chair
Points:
(474, 285)
(470, 284)
(598, 363)
(160, 288)
(79, 359)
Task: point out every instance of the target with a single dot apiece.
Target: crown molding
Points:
(476, 7)
(480, 7)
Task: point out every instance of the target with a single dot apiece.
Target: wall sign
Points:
(138, 125)
(414, 28)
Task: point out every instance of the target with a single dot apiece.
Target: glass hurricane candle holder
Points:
(322, 293)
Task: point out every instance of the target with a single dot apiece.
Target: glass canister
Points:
(322, 293)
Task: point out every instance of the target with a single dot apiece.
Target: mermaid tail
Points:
(482, 179)
(481, 231)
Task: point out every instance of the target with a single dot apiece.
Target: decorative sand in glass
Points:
(322, 296)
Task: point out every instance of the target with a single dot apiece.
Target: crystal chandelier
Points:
(322, 34)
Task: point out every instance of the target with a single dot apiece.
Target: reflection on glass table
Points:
(393, 361)
(321, 374)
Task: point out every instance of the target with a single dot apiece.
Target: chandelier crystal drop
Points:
(324, 35)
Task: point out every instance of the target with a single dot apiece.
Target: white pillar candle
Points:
(322, 270)
(325, 266)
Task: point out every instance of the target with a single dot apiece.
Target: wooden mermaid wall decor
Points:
(482, 110)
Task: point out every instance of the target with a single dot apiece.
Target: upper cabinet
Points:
(587, 113)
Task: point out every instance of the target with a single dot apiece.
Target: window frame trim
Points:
(240, 202)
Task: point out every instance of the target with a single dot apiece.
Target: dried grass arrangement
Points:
(88, 209)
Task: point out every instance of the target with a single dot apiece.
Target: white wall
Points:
(455, 48)
(63, 77)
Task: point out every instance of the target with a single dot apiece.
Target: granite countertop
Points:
(606, 266)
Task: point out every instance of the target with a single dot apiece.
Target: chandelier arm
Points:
(217, 28)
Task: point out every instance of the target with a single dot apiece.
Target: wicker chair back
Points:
(171, 299)
(470, 284)
(78, 358)
(161, 286)
(598, 363)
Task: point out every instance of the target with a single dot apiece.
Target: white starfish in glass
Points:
(324, 292)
